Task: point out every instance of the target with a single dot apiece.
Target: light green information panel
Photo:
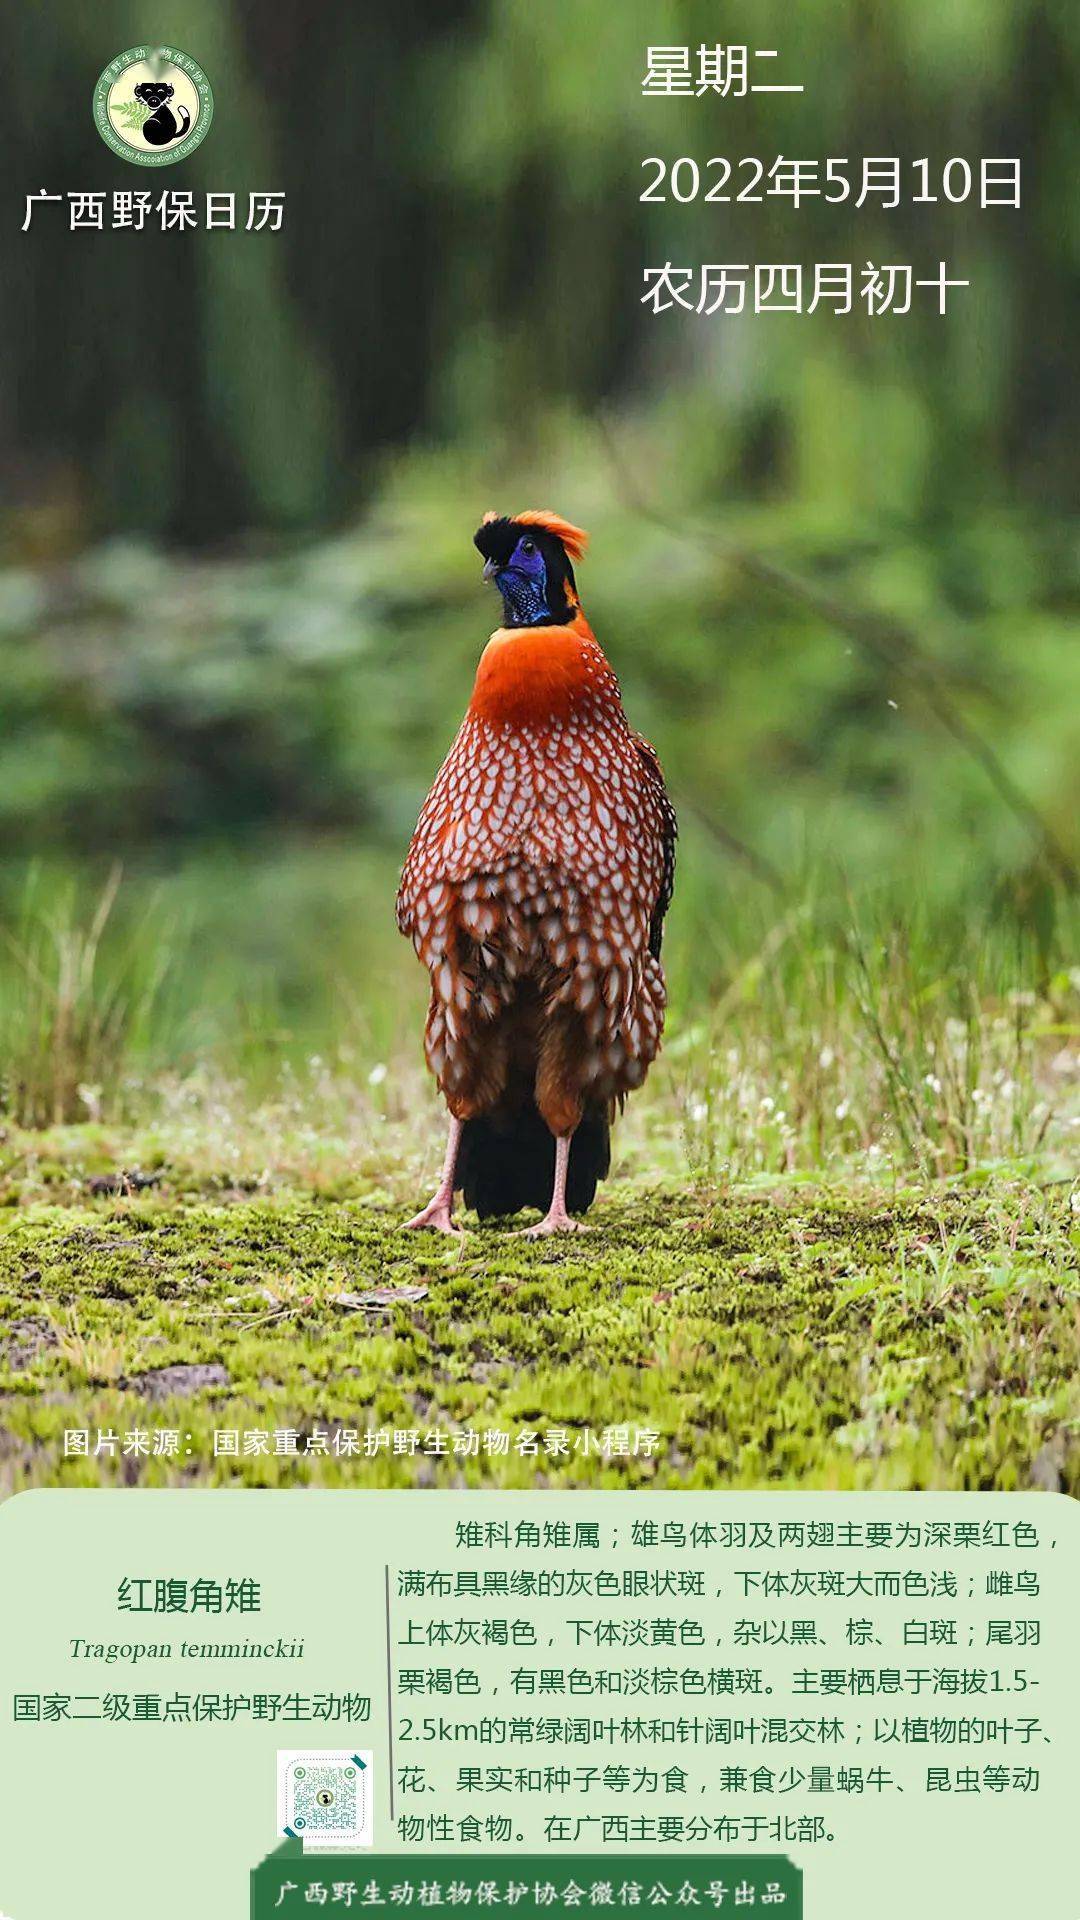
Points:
(824, 1704)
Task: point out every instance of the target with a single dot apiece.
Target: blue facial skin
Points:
(523, 585)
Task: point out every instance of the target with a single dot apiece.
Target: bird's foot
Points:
(556, 1220)
(438, 1217)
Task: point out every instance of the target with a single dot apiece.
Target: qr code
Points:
(324, 1797)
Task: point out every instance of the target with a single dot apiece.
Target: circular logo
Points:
(153, 106)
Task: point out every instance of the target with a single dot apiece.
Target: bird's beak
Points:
(491, 568)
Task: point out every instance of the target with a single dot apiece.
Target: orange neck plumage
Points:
(533, 674)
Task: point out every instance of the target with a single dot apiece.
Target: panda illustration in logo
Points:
(162, 126)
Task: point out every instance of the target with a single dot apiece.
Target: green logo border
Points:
(196, 134)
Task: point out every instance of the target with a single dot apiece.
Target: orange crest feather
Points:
(574, 539)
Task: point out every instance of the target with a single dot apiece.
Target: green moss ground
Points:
(780, 1333)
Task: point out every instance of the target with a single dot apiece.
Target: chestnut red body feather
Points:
(534, 892)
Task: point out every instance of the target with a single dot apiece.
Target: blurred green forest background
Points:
(834, 560)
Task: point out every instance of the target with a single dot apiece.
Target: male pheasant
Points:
(534, 891)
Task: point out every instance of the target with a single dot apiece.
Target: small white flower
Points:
(843, 1110)
(377, 1075)
(931, 1080)
(699, 1111)
(825, 1058)
(767, 1103)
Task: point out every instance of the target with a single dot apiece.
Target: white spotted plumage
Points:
(533, 892)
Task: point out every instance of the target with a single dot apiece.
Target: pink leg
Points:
(556, 1219)
(438, 1214)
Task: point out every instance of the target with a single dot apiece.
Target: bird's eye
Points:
(528, 546)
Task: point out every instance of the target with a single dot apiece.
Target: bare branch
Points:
(884, 638)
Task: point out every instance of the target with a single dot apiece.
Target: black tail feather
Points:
(507, 1161)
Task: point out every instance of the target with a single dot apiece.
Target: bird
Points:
(534, 891)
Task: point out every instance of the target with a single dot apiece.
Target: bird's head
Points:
(530, 560)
